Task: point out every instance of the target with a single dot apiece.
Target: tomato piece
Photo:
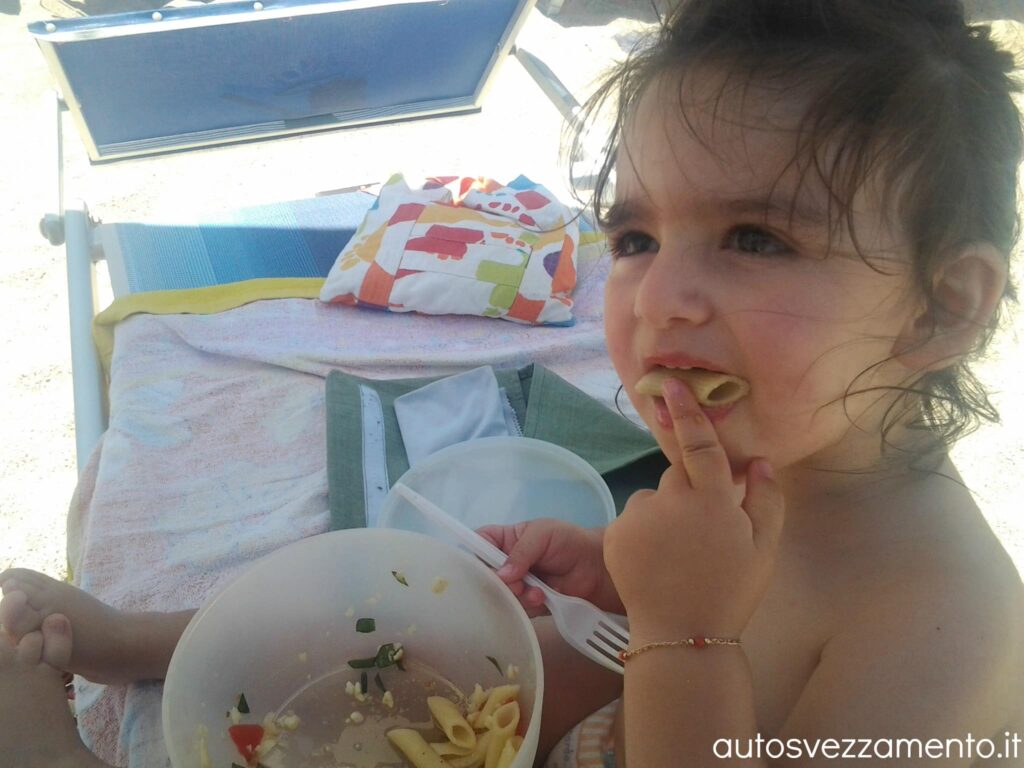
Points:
(246, 738)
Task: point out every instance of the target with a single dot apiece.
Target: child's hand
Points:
(564, 556)
(687, 559)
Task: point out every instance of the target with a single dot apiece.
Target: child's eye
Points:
(631, 244)
(755, 241)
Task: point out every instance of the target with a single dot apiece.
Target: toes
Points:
(17, 616)
(10, 604)
(23, 575)
(33, 583)
(30, 648)
(56, 633)
(8, 649)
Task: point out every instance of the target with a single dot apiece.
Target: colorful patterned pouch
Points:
(462, 246)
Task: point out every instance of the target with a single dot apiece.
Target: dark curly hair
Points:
(905, 91)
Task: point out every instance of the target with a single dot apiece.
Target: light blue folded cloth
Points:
(462, 407)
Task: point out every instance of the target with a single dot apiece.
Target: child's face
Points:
(711, 271)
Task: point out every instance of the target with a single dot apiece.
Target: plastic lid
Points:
(503, 480)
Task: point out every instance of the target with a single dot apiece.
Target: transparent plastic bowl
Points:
(280, 635)
(502, 480)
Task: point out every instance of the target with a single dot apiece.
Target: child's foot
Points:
(36, 727)
(102, 634)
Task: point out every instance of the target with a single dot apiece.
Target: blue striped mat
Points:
(301, 238)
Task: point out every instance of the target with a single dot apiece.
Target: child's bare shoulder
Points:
(939, 596)
(947, 558)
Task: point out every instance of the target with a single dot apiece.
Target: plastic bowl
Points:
(282, 634)
(502, 480)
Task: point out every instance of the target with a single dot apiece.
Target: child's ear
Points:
(967, 290)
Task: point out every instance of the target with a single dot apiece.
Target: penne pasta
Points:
(499, 694)
(476, 758)
(451, 722)
(504, 718)
(508, 754)
(477, 698)
(415, 748)
(710, 388)
(502, 727)
(483, 738)
(447, 749)
(494, 749)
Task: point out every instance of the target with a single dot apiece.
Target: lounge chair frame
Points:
(66, 44)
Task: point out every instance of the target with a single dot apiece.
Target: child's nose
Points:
(673, 290)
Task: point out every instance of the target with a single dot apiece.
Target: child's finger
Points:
(532, 600)
(499, 535)
(764, 504)
(530, 545)
(703, 456)
(533, 596)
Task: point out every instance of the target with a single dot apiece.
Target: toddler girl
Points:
(819, 199)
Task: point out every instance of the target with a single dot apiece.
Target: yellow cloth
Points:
(196, 301)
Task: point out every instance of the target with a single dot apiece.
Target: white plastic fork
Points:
(584, 626)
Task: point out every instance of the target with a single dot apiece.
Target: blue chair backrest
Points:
(143, 83)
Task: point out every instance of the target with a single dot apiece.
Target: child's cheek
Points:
(618, 326)
(782, 352)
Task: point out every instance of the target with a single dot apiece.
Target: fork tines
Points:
(609, 639)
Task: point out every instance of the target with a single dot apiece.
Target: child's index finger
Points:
(703, 456)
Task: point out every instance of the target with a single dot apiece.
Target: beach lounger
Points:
(142, 84)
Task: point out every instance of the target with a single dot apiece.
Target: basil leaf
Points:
(400, 578)
(243, 705)
(497, 666)
(380, 683)
(385, 656)
(366, 625)
(362, 663)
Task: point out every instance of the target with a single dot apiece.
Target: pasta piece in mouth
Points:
(712, 389)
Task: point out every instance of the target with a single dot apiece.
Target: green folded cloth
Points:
(546, 406)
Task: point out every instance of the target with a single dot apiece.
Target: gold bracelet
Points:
(693, 642)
